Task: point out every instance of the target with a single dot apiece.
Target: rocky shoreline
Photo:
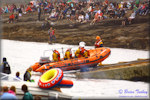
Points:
(113, 34)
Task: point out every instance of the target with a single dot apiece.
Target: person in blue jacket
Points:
(6, 95)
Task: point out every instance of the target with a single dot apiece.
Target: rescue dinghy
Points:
(96, 56)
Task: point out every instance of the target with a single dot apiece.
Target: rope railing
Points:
(62, 51)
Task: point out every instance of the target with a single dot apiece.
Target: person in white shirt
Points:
(132, 17)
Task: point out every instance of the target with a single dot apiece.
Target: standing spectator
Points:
(50, 35)
(39, 12)
(124, 21)
(6, 10)
(53, 35)
(5, 66)
(73, 11)
(12, 90)
(16, 17)
(20, 12)
(6, 95)
(27, 94)
(45, 24)
(11, 18)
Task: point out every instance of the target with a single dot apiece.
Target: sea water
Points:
(21, 55)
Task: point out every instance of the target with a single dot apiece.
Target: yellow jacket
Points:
(81, 52)
(55, 57)
(68, 55)
(86, 54)
(77, 53)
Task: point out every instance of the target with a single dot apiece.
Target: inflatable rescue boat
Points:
(96, 56)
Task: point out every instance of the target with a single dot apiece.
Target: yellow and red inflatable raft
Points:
(96, 56)
(54, 78)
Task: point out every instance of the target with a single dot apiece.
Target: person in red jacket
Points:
(11, 18)
(28, 9)
(98, 42)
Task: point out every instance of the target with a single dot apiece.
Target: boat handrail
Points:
(4, 76)
(62, 50)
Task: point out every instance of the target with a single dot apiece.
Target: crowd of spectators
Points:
(83, 11)
(10, 93)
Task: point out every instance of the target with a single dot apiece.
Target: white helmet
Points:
(82, 44)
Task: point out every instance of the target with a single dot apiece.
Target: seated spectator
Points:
(117, 13)
(86, 17)
(146, 9)
(6, 95)
(109, 9)
(18, 75)
(12, 90)
(53, 15)
(37, 97)
(27, 94)
(28, 9)
(112, 14)
(80, 18)
(68, 14)
(130, 19)
(122, 12)
(98, 17)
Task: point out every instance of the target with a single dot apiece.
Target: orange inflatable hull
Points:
(36, 66)
(96, 56)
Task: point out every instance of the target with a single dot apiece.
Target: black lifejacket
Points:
(27, 76)
(6, 68)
